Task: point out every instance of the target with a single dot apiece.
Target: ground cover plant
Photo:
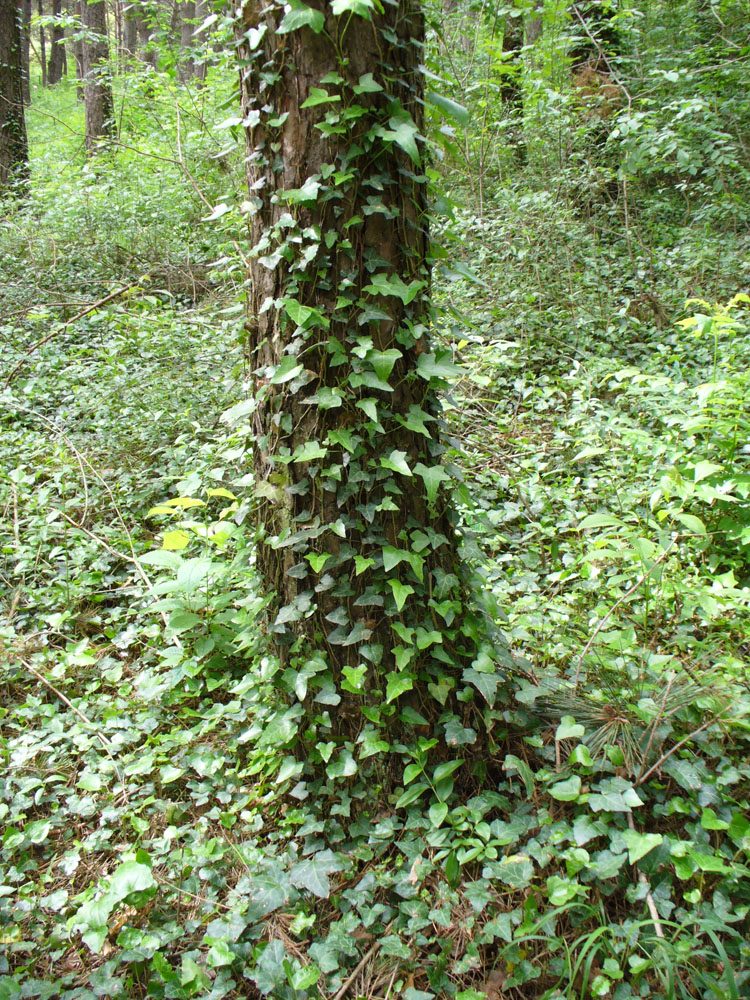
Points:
(160, 833)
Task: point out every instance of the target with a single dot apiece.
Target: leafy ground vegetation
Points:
(157, 838)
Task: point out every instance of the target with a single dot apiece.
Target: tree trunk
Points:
(100, 113)
(187, 27)
(42, 44)
(148, 52)
(14, 150)
(57, 58)
(25, 48)
(131, 32)
(79, 52)
(359, 548)
(199, 65)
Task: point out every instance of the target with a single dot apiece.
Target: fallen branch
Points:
(53, 333)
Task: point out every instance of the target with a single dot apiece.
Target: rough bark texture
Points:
(57, 58)
(14, 152)
(345, 503)
(100, 113)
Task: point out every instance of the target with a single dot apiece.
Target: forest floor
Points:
(150, 845)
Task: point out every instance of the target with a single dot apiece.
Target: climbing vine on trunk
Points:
(359, 545)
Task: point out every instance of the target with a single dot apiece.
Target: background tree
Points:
(359, 549)
(98, 87)
(14, 151)
(57, 65)
(42, 43)
(25, 48)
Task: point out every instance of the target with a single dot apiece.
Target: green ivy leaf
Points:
(319, 96)
(569, 729)
(286, 370)
(400, 592)
(397, 684)
(566, 791)
(396, 462)
(366, 85)
(300, 16)
(639, 844)
(312, 873)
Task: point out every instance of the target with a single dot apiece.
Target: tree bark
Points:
(42, 44)
(186, 69)
(25, 49)
(100, 113)
(79, 52)
(199, 64)
(14, 150)
(359, 548)
(130, 32)
(57, 57)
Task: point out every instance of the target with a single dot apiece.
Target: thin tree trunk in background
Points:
(199, 70)
(148, 51)
(57, 57)
(186, 63)
(25, 48)
(119, 34)
(130, 40)
(79, 52)
(14, 148)
(100, 114)
(42, 44)
(511, 88)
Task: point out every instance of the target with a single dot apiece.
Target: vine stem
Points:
(649, 898)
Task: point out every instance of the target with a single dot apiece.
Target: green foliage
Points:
(159, 836)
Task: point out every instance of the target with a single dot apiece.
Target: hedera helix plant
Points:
(359, 547)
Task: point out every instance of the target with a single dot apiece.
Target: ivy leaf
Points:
(400, 592)
(383, 284)
(286, 370)
(433, 476)
(639, 844)
(312, 873)
(370, 408)
(486, 684)
(403, 132)
(396, 462)
(131, 876)
(319, 96)
(360, 7)
(437, 365)
(383, 361)
(397, 684)
(305, 316)
(566, 791)
(308, 192)
(301, 16)
(366, 85)
(309, 451)
(569, 729)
